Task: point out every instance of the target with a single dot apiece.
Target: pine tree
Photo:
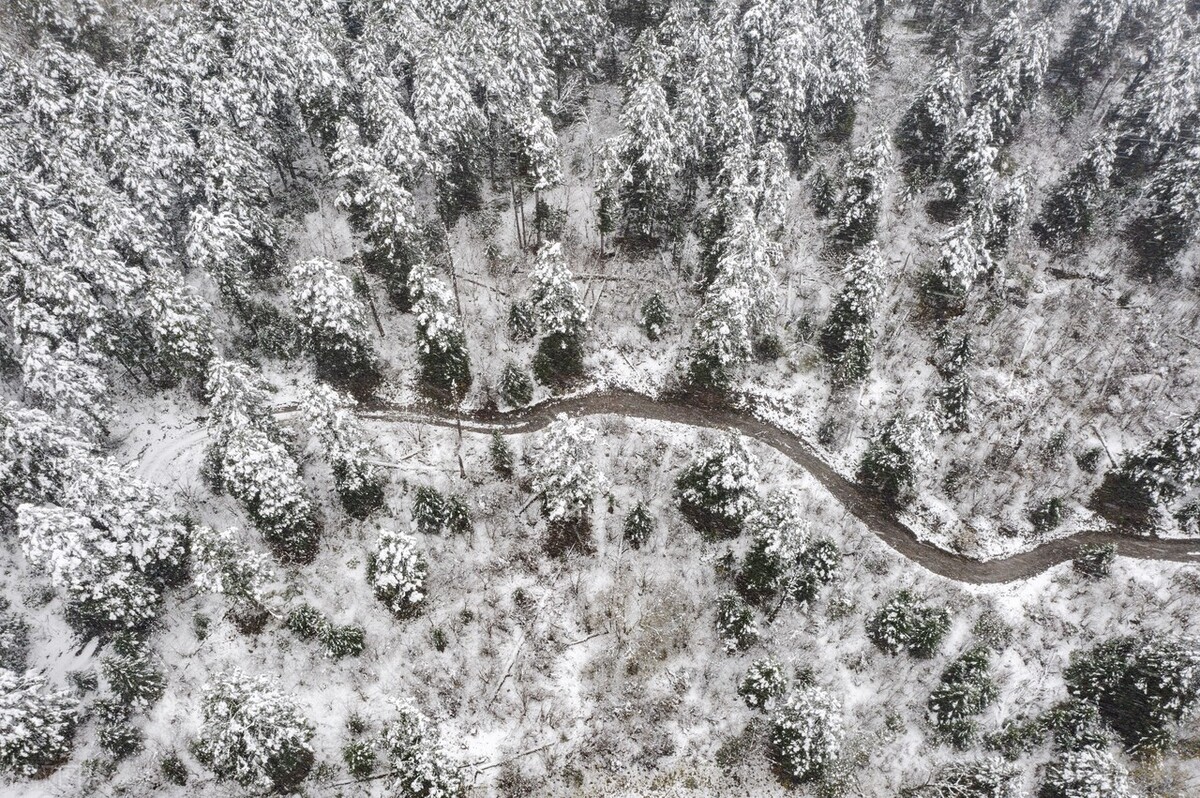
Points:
(923, 135)
(655, 317)
(397, 572)
(954, 397)
(964, 259)
(646, 145)
(222, 564)
(441, 343)
(806, 733)
(37, 725)
(784, 559)
(890, 463)
(254, 734)
(1068, 216)
(970, 162)
(564, 472)
(561, 318)
(1087, 773)
(1011, 69)
(1097, 28)
(179, 325)
(718, 489)
(847, 337)
(857, 215)
(1168, 466)
(331, 421)
(333, 321)
(420, 758)
(993, 778)
(788, 73)
(965, 690)
(501, 456)
(1167, 224)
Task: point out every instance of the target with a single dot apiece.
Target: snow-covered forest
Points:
(600, 398)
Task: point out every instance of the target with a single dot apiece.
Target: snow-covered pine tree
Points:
(999, 214)
(223, 564)
(333, 321)
(646, 145)
(923, 135)
(954, 397)
(1168, 221)
(396, 571)
(561, 316)
(330, 419)
(253, 733)
(784, 558)
(1167, 466)
(970, 163)
(179, 326)
(450, 124)
(856, 217)
(565, 474)
(441, 343)
(39, 457)
(806, 733)
(965, 690)
(37, 725)
(1068, 216)
(847, 337)
(891, 461)
(718, 489)
(844, 72)
(992, 777)
(1010, 73)
(1088, 773)
(964, 259)
(787, 90)
(1096, 30)
(421, 760)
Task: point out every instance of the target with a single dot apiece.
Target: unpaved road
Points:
(860, 501)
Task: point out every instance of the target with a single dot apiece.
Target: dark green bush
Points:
(1095, 561)
(735, 623)
(639, 525)
(501, 456)
(342, 641)
(1047, 514)
(306, 622)
(516, 389)
(521, 324)
(359, 757)
(655, 317)
(905, 623)
(966, 689)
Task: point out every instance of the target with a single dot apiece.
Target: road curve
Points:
(860, 501)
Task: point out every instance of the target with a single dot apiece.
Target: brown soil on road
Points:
(859, 500)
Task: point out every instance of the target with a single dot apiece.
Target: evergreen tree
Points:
(856, 218)
(985, 778)
(501, 456)
(222, 564)
(331, 421)
(1096, 30)
(1142, 686)
(965, 690)
(1167, 224)
(788, 73)
(561, 318)
(333, 321)
(954, 397)
(923, 135)
(806, 733)
(784, 558)
(1068, 216)
(1167, 466)
(421, 761)
(646, 146)
(890, 463)
(441, 343)
(655, 317)
(906, 623)
(1010, 73)
(397, 572)
(37, 725)
(964, 259)
(847, 337)
(450, 124)
(717, 490)
(564, 472)
(970, 163)
(1086, 774)
(253, 734)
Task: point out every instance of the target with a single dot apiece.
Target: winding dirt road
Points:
(860, 501)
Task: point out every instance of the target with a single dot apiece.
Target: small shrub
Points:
(735, 623)
(14, 639)
(764, 682)
(423, 766)
(501, 456)
(1016, 738)
(1095, 561)
(342, 641)
(173, 769)
(356, 723)
(306, 622)
(1088, 773)
(1089, 460)
(639, 525)
(359, 757)
(992, 631)
(768, 348)
(1076, 725)
(116, 736)
(1046, 515)
(904, 623)
(655, 317)
(822, 192)
(438, 637)
(516, 389)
